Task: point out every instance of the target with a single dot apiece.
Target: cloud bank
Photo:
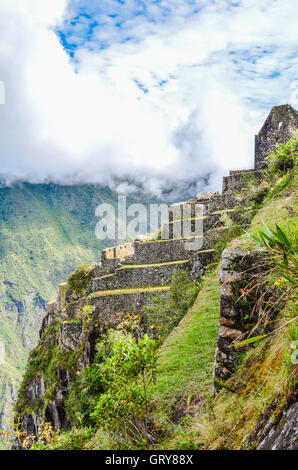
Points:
(160, 92)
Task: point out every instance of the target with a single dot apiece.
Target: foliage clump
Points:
(80, 279)
(123, 407)
(284, 157)
(112, 394)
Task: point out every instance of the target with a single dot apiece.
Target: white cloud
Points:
(210, 78)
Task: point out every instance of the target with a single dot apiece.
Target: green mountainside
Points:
(46, 230)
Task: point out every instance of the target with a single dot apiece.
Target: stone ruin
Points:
(130, 275)
(280, 125)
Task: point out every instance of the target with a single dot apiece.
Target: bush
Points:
(254, 193)
(80, 279)
(284, 157)
(84, 396)
(284, 250)
(123, 407)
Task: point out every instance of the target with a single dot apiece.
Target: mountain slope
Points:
(234, 420)
(46, 230)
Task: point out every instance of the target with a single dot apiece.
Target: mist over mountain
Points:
(101, 91)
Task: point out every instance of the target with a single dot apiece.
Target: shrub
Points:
(254, 193)
(281, 277)
(79, 280)
(284, 157)
(283, 248)
(123, 407)
(84, 396)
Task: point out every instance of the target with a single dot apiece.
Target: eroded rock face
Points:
(36, 389)
(71, 335)
(283, 436)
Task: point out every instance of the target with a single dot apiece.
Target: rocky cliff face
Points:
(283, 433)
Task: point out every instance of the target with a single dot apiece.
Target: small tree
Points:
(123, 408)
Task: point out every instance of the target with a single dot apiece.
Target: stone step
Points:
(138, 275)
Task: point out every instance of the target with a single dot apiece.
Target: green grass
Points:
(129, 290)
(186, 358)
(169, 263)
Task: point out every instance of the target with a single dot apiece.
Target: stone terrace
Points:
(130, 275)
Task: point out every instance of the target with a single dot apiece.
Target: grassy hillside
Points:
(46, 230)
(186, 358)
(229, 420)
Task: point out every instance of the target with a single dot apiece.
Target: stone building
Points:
(279, 127)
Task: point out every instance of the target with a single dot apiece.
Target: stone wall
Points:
(236, 317)
(196, 226)
(179, 210)
(279, 127)
(162, 251)
(120, 252)
(234, 182)
(127, 277)
(224, 201)
(199, 262)
(112, 308)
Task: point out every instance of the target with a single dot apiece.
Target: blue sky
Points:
(164, 90)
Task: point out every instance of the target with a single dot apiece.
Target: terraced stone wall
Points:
(236, 306)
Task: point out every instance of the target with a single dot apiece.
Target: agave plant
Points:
(284, 251)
